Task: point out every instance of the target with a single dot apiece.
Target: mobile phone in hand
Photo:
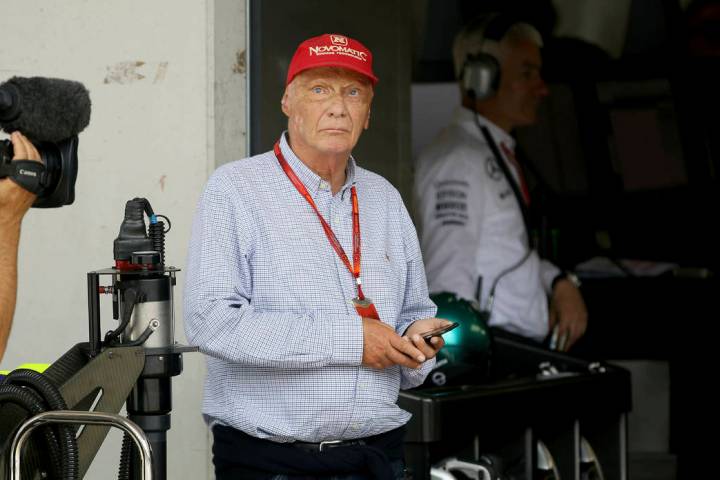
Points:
(438, 331)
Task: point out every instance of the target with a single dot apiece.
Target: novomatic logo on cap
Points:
(332, 50)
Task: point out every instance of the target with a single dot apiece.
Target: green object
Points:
(466, 354)
(472, 334)
(38, 367)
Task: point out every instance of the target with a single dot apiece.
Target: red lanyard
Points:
(523, 184)
(355, 267)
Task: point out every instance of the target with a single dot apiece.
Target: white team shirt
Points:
(472, 228)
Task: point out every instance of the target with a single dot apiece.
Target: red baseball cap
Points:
(332, 50)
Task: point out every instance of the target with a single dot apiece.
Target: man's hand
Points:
(568, 312)
(383, 348)
(415, 331)
(15, 200)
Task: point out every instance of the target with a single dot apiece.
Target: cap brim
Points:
(373, 79)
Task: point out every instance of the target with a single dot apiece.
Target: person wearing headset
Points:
(14, 203)
(471, 196)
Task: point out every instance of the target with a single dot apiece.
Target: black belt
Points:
(327, 444)
(263, 457)
(321, 446)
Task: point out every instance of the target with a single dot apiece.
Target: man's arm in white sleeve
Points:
(450, 200)
(548, 272)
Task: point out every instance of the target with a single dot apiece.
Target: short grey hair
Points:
(471, 40)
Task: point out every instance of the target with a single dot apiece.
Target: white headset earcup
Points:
(481, 76)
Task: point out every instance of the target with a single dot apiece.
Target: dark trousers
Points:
(237, 455)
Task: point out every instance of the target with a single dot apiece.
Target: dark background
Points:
(626, 152)
(623, 162)
(625, 155)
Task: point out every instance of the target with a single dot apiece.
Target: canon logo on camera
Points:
(28, 173)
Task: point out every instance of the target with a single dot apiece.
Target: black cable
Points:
(156, 232)
(146, 205)
(141, 339)
(30, 401)
(168, 222)
(491, 295)
(506, 171)
(131, 297)
(125, 468)
(487, 311)
(66, 434)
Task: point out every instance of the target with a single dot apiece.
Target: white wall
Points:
(166, 80)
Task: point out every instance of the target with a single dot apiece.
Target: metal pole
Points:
(84, 418)
(93, 282)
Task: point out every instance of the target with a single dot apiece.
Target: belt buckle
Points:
(329, 443)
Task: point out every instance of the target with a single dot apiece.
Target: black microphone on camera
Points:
(44, 109)
(50, 112)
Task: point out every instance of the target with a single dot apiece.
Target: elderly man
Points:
(472, 197)
(14, 202)
(306, 290)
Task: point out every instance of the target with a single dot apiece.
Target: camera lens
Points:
(61, 166)
(61, 162)
(6, 152)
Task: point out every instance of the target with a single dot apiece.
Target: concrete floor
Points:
(652, 466)
(649, 421)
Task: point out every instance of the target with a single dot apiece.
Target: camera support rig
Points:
(132, 364)
(142, 292)
(150, 400)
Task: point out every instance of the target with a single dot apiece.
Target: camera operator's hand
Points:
(15, 200)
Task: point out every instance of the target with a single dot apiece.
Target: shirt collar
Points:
(466, 119)
(312, 181)
(349, 176)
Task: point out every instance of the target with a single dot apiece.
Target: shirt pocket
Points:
(383, 278)
(296, 270)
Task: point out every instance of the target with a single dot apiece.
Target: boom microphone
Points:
(44, 109)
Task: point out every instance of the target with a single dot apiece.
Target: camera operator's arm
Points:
(14, 202)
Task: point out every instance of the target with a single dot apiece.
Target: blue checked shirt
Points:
(267, 299)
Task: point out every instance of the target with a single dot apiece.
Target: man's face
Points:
(327, 109)
(521, 86)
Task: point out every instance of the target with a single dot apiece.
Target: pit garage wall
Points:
(382, 26)
(167, 83)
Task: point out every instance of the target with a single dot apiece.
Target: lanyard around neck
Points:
(354, 268)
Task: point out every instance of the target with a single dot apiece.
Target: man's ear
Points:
(284, 103)
(367, 121)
